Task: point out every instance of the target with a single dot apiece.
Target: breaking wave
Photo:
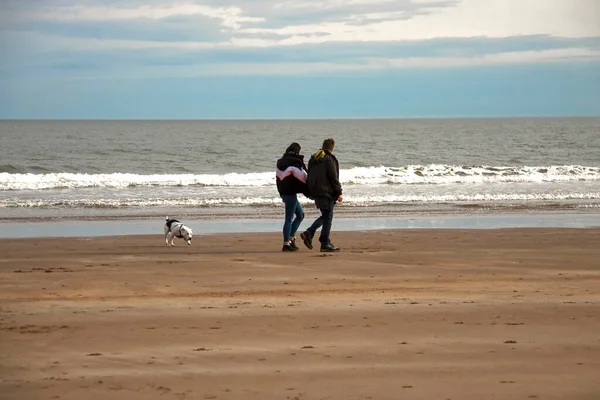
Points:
(411, 174)
(349, 201)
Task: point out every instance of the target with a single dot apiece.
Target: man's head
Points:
(328, 144)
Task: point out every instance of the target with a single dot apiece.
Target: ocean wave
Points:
(10, 168)
(349, 201)
(124, 180)
(411, 174)
(22, 169)
(444, 174)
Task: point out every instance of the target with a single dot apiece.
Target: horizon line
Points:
(309, 118)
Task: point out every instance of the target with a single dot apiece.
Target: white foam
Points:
(120, 180)
(411, 174)
(443, 174)
(349, 201)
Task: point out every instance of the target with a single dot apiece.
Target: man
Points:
(324, 186)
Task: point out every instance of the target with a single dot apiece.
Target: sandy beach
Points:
(404, 314)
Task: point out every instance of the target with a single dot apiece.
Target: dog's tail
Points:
(166, 219)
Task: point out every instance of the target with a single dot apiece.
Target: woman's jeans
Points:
(292, 206)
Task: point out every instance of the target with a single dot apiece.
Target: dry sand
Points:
(417, 314)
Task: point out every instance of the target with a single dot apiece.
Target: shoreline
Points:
(26, 214)
(135, 226)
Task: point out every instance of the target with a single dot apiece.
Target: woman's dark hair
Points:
(293, 148)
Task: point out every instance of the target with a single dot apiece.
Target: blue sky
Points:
(298, 58)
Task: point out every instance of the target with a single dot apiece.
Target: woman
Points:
(291, 180)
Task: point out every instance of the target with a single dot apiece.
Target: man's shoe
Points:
(293, 244)
(287, 248)
(329, 248)
(307, 239)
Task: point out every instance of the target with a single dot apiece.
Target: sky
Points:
(158, 59)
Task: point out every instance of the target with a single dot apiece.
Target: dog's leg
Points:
(170, 239)
(166, 236)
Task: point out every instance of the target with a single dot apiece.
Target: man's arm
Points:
(332, 175)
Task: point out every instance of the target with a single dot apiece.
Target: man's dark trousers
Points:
(325, 205)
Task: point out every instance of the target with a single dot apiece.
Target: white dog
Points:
(175, 229)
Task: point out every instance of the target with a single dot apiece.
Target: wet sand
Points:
(409, 314)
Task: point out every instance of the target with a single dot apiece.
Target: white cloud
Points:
(231, 17)
(470, 18)
(517, 57)
(372, 64)
(327, 5)
(48, 44)
(501, 18)
(383, 64)
(365, 20)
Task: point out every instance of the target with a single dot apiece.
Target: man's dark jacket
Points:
(323, 175)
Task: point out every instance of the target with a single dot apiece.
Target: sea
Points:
(211, 169)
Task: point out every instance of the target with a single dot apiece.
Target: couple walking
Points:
(320, 181)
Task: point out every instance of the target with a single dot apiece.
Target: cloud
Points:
(343, 20)
(151, 63)
(296, 22)
(234, 14)
(93, 38)
(375, 64)
(181, 29)
(468, 18)
(230, 17)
